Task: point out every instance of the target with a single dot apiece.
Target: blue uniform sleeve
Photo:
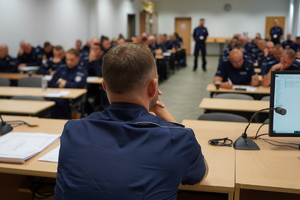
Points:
(197, 168)
(54, 79)
(222, 71)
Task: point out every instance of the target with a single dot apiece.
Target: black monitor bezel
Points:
(271, 113)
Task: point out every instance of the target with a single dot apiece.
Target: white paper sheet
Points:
(52, 156)
(17, 147)
(57, 93)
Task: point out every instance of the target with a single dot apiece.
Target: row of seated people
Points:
(236, 67)
(259, 50)
(49, 57)
(69, 69)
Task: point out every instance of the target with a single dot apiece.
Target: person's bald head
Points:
(243, 40)
(3, 51)
(236, 58)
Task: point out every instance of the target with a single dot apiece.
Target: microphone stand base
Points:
(5, 128)
(245, 143)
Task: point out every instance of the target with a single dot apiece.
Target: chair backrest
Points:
(228, 117)
(266, 121)
(233, 96)
(35, 98)
(4, 82)
(30, 82)
(266, 98)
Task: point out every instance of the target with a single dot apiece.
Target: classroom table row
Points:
(272, 168)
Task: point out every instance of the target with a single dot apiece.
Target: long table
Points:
(17, 76)
(259, 90)
(27, 107)
(233, 104)
(270, 169)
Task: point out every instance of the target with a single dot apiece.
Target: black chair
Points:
(30, 82)
(4, 82)
(34, 98)
(228, 117)
(265, 98)
(233, 96)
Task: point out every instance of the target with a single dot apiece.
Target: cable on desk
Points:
(37, 188)
(16, 123)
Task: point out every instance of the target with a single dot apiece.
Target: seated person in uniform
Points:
(133, 149)
(160, 44)
(7, 63)
(69, 75)
(29, 56)
(287, 62)
(54, 62)
(272, 60)
(258, 53)
(105, 44)
(288, 42)
(236, 71)
(152, 43)
(48, 50)
(94, 67)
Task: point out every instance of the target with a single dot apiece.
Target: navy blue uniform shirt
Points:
(287, 43)
(267, 63)
(126, 153)
(240, 76)
(200, 34)
(33, 59)
(75, 77)
(50, 65)
(8, 64)
(94, 68)
(276, 33)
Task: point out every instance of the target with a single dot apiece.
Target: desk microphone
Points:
(245, 143)
(4, 127)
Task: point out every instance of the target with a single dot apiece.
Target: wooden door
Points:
(270, 24)
(183, 28)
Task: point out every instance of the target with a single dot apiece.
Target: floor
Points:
(184, 90)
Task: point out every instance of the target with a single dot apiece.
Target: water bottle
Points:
(44, 84)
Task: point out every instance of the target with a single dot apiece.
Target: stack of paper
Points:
(57, 93)
(17, 147)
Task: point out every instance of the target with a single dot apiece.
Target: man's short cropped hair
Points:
(74, 52)
(290, 53)
(46, 44)
(202, 19)
(58, 48)
(128, 67)
(278, 46)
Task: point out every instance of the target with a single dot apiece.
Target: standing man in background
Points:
(200, 34)
(276, 32)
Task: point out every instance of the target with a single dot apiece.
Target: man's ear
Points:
(152, 87)
(103, 85)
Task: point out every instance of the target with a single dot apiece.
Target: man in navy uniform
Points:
(48, 50)
(200, 34)
(271, 60)
(288, 42)
(133, 149)
(29, 55)
(69, 75)
(7, 63)
(236, 71)
(276, 32)
(287, 62)
(54, 62)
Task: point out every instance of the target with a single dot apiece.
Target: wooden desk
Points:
(273, 168)
(17, 76)
(220, 160)
(257, 70)
(24, 106)
(21, 91)
(233, 104)
(259, 90)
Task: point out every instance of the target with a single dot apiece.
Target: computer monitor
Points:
(285, 93)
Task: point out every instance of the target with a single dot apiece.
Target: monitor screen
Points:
(285, 93)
